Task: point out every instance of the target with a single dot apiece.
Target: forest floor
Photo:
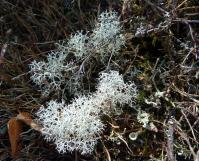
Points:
(161, 56)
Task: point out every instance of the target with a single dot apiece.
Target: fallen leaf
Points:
(14, 131)
(27, 119)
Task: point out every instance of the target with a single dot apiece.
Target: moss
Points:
(141, 96)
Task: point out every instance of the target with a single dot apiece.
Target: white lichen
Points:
(112, 89)
(143, 118)
(107, 35)
(49, 75)
(106, 40)
(78, 45)
(77, 126)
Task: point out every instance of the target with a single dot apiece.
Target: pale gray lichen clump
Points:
(78, 45)
(77, 126)
(104, 41)
(50, 74)
(107, 36)
(111, 88)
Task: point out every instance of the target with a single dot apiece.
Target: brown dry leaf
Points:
(27, 119)
(14, 131)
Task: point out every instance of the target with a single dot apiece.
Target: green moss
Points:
(141, 96)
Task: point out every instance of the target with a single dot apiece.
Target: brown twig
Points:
(170, 138)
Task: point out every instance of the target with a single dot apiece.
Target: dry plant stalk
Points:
(170, 138)
(127, 8)
(2, 53)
